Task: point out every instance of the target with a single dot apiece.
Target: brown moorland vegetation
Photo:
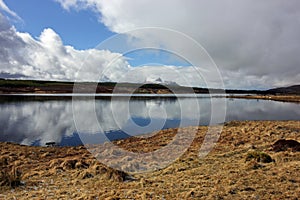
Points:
(243, 165)
(282, 98)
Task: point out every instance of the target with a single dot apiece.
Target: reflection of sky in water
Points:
(38, 122)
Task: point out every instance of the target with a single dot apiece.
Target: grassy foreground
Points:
(243, 165)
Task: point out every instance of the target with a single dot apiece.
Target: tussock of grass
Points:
(259, 157)
(9, 175)
(284, 145)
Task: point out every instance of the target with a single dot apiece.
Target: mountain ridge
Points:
(294, 89)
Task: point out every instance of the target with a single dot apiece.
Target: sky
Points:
(245, 44)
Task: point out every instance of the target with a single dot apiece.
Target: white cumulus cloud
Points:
(46, 57)
(257, 41)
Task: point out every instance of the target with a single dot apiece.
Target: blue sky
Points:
(254, 44)
(80, 29)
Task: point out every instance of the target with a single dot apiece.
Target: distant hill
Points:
(295, 89)
(10, 86)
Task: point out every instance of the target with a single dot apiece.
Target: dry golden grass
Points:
(283, 98)
(235, 169)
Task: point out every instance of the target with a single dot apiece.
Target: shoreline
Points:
(68, 96)
(281, 98)
(228, 171)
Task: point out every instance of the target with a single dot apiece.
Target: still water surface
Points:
(38, 122)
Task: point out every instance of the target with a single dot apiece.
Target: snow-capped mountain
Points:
(105, 79)
(159, 80)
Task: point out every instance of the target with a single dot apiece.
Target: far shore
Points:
(282, 98)
(46, 95)
(39, 87)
